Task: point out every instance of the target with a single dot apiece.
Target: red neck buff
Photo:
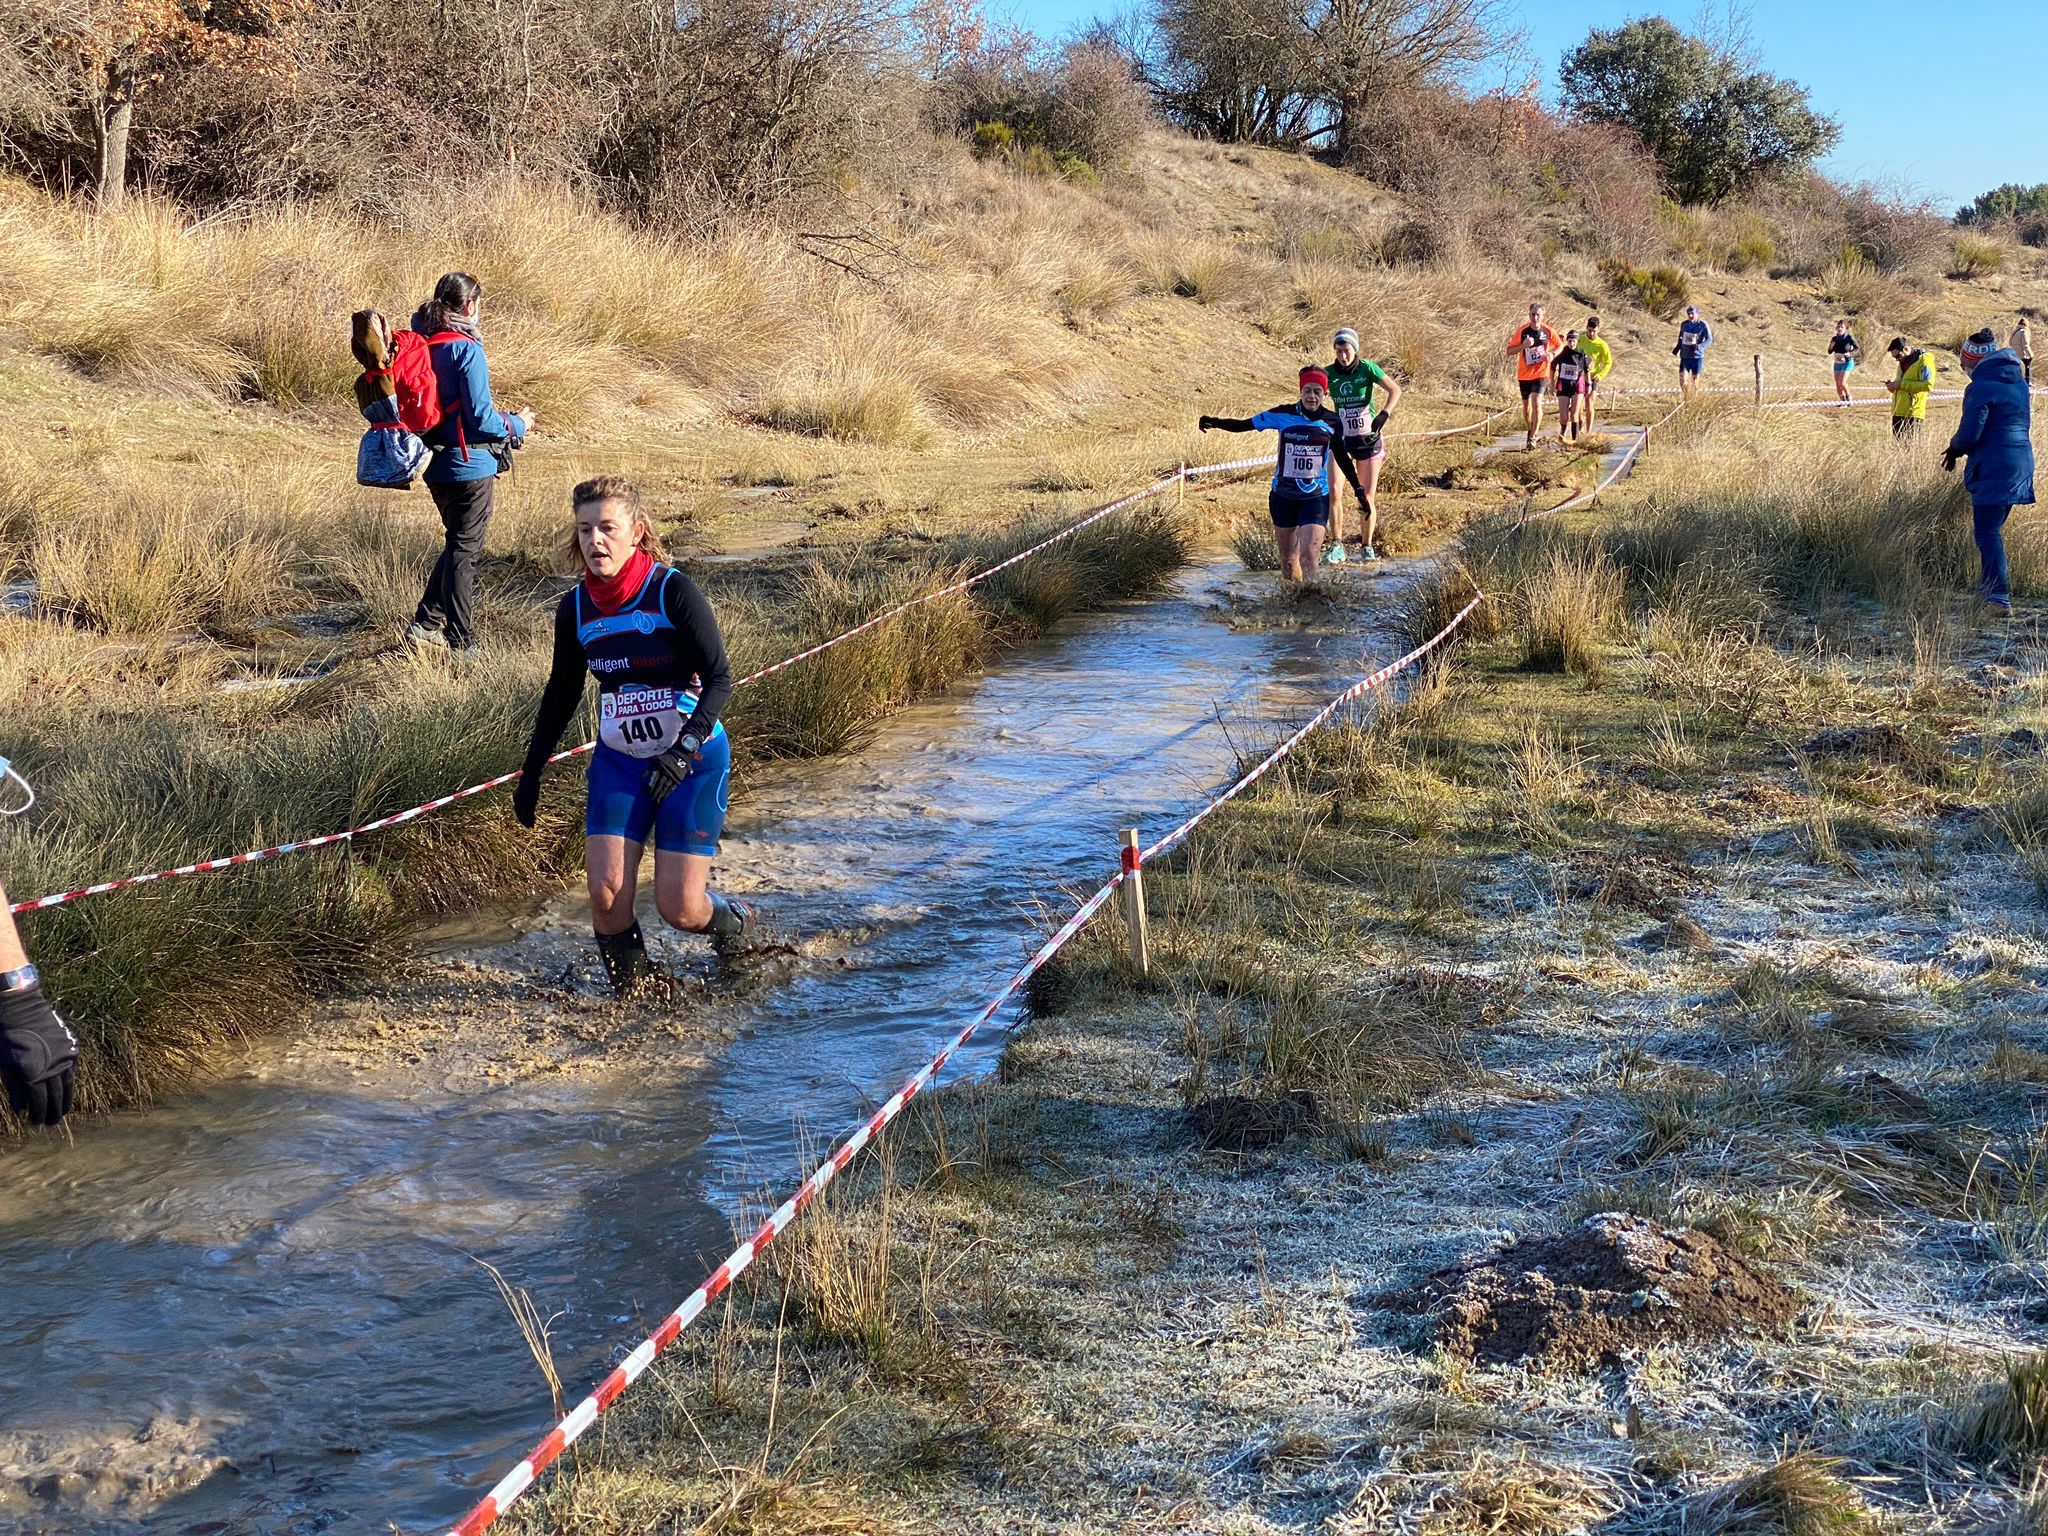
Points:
(609, 596)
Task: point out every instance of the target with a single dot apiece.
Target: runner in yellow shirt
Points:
(1599, 363)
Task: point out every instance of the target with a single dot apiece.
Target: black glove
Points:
(1206, 423)
(672, 767)
(1379, 422)
(1674, 351)
(38, 1056)
(526, 797)
(1948, 458)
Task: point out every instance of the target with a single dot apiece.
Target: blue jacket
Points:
(465, 384)
(1997, 418)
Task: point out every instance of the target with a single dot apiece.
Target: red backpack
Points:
(420, 408)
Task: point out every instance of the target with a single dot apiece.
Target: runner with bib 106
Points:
(662, 757)
(1303, 494)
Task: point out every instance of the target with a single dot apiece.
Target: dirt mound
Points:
(1648, 882)
(1616, 1282)
(1681, 933)
(1234, 1122)
(1884, 743)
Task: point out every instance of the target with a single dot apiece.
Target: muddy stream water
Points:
(259, 1308)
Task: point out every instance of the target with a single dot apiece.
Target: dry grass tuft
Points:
(1799, 1496)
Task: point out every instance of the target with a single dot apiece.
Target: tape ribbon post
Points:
(579, 1419)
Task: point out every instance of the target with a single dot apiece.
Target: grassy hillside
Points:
(197, 651)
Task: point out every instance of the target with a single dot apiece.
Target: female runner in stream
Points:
(660, 765)
(1303, 496)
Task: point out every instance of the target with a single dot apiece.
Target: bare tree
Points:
(1369, 51)
(1299, 72)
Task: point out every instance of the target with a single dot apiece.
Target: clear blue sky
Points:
(1939, 98)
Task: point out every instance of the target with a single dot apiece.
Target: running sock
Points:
(625, 958)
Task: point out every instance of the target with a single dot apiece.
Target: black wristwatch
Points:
(689, 744)
(20, 979)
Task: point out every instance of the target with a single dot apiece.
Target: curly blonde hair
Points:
(611, 488)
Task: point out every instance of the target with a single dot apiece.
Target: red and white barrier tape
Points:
(627, 1371)
(1622, 466)
(413, 813)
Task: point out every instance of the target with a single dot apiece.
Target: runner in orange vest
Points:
(1534, 347)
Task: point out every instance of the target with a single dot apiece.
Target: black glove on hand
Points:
(526, 798)
(1379, 422)
(38, 1056)
(1206, 423)
(1948, 459)
(671, 768)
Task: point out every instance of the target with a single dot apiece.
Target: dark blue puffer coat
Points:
(1997, 418)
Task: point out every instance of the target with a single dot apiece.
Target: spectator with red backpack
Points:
(427, 392)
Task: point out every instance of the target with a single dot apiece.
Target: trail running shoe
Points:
(1334, 555)
(1367, 552)
(418, 637)
(731, 922)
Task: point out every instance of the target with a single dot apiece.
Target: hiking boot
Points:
(418, 637)
(626, 961)
(1334, 555)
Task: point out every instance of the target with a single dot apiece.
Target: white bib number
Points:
(640, 722)
(1535, 354)
(1356, 422)
(1302, 461)
(1567, 373)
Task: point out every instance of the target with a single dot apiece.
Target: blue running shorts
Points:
(691, 817)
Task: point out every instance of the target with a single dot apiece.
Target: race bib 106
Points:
(640, 722)
(1302, 461)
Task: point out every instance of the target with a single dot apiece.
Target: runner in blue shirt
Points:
(1694, 337)
(658, 773)
(1302, 496)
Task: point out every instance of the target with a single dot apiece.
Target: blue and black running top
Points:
(1303, 466)
(659, 662)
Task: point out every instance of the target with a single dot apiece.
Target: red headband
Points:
(1317, 377)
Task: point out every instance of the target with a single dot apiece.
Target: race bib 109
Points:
(640, 722)
(1354, 419)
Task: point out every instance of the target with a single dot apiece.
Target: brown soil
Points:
(1233, 1122)
(1883, 743)
(1648, 882)
(1614, 1283)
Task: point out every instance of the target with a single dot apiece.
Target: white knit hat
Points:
(1344, 334)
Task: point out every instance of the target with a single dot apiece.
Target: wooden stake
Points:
(1133, 896)
(1756, 360)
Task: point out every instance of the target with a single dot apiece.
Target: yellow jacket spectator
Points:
(1909, 389)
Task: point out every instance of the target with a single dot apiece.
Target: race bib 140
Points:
(640, 722)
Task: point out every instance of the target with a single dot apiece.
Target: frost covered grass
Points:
(1519, 950)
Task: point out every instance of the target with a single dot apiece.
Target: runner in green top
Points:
(1355, 381)
(1599, 363)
